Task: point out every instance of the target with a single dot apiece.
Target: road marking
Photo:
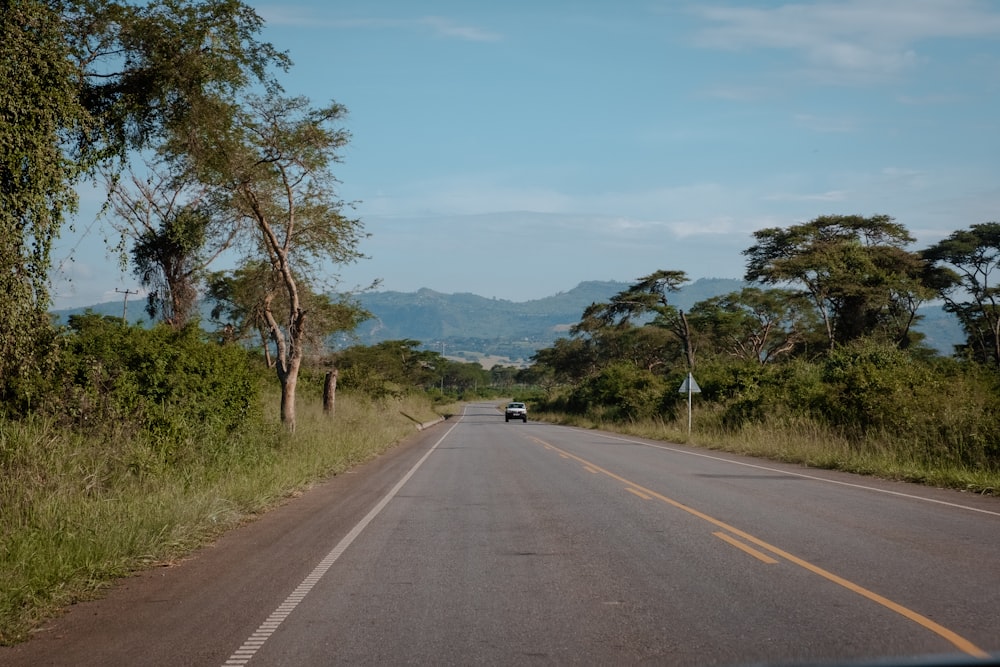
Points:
(744, 547)
(637, 492)
(955, 639)
(244, 653)
(796, 474)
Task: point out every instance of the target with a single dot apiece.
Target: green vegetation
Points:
(161, 441)
(934, 424)
(824, 368)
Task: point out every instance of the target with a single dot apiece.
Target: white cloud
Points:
(445, 27)
(851, 41)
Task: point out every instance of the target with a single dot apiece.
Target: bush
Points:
(941, 413)
(175, 388)
(619, 391)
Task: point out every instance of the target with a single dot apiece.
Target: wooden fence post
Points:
(330, 392)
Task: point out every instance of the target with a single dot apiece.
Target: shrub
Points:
(619, 391)
(178, 389)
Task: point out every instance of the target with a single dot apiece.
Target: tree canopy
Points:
(88, 82)
(856, 270)
(967, 263)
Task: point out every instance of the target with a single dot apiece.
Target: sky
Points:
(515, 149)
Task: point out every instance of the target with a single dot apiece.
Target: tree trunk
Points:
(688, 342)
(288, 383)
(330, 392)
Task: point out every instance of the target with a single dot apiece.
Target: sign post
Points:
(689, 386)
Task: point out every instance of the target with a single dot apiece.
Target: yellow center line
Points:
(750, 550)
(958, 641)
(637, 492)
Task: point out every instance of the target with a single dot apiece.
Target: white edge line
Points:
(790, 472)
(256, 641)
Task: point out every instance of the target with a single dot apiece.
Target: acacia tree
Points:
(647, 299)
(856, 271)
(274, 170)
(754, 324)
(966, 263)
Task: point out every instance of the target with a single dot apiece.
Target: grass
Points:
(804, 442)
(77, 513)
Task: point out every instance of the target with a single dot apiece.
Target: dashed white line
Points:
(249, 648)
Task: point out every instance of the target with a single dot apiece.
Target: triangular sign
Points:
(694, 388)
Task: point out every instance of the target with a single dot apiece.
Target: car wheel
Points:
(524, 419)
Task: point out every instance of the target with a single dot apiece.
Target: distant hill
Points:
(475, 328)
(489, 330)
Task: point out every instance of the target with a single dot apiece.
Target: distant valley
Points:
(475, 328)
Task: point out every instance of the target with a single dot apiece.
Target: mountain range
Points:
(488, 330)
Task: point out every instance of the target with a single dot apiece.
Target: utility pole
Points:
(125, 305)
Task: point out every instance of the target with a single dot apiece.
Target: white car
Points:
(516, 411)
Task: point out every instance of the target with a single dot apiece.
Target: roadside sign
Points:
(689, 386)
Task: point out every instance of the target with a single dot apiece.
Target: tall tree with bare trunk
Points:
(275, 171)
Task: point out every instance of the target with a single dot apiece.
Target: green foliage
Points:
(163, 70)
(758, 325)
(38, 104)
(88, 82)
(172, 387)
(274, 172)
(166, 261)
(965, 267)
(619, 391)
(751, 392)
(945, 412)
(762, 365)
(397, 367)
(856, 270)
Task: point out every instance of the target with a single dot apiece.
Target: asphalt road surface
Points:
(481, 542)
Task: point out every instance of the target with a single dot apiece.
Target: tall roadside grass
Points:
(801, 440)
(76, 513)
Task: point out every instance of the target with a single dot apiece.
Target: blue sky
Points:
(515, 149)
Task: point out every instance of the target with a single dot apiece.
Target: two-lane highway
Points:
(485, 542)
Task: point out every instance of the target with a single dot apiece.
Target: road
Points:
(492, 543)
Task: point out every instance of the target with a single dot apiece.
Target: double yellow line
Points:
(958, 641)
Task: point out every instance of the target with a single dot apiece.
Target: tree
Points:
(38, 105)
(390, 367)
(644, 301)
(755, 324)
(856, 270)
(166, 71)
(570, 360)
(965, 264)
(89, 82)
(274, 169)
(238, 297)
(176, 234)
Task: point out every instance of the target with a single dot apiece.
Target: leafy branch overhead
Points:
(88, 83)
